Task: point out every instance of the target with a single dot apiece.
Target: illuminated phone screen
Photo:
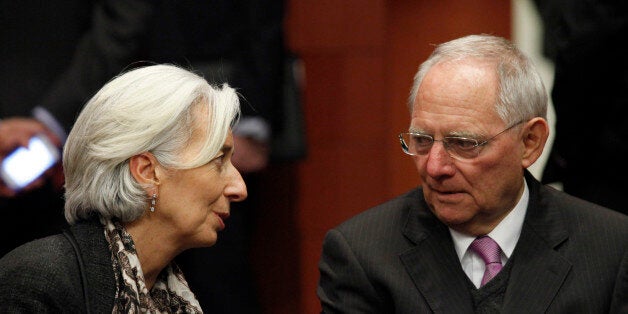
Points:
(24, 165)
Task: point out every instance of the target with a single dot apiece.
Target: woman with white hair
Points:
(148, 175)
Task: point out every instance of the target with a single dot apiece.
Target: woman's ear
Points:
(144, 169)
(535, 134)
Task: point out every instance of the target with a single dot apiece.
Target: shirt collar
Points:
(506, 233)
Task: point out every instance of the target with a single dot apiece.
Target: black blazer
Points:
(43, 275)
(572, 257)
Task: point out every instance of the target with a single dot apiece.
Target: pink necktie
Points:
(489, 251)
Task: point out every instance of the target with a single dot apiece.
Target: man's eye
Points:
(462, 143)
(422, 140)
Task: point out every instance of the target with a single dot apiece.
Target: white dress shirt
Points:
(506, 234)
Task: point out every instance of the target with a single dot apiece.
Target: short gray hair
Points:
(521, 92)
(148, 109)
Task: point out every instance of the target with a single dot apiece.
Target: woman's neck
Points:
(152, 247)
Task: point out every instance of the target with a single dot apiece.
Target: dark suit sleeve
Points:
(344, 286)
(263, 56)
(258, 59)
(110, 44)
(619, 303)
(584, 40)
(40, 277)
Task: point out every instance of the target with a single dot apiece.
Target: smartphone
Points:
(24, 165)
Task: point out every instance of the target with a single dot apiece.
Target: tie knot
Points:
(487, 249)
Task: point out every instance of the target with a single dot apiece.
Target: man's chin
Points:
(451, 216)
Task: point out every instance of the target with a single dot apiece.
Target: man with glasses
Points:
(481, 234)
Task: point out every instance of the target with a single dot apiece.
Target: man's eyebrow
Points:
(416, 130)
(464, 134)
(455, 133)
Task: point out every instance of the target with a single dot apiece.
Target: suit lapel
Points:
(433, 264)
(538, 270)
(537, 274)
(98, 266)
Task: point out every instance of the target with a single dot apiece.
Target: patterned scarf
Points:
(170, 293)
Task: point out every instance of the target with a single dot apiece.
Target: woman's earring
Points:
(152, 202)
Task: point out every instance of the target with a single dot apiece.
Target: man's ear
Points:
(535, 134)
(144, 169)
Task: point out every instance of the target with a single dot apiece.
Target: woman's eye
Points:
(220, 159)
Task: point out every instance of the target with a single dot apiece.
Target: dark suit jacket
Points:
(584, 40)
(572, 257)
(43, 275)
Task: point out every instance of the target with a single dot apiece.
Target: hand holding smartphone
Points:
(25, 164)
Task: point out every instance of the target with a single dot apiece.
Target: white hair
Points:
(149, 109)
(521, 92)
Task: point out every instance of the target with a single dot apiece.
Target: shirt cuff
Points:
(45, 117)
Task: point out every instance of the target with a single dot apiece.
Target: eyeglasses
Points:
(461, 148)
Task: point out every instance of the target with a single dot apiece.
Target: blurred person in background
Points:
(54, 57)
(590, 95)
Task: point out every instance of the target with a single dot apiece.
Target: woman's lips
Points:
(221, 220)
